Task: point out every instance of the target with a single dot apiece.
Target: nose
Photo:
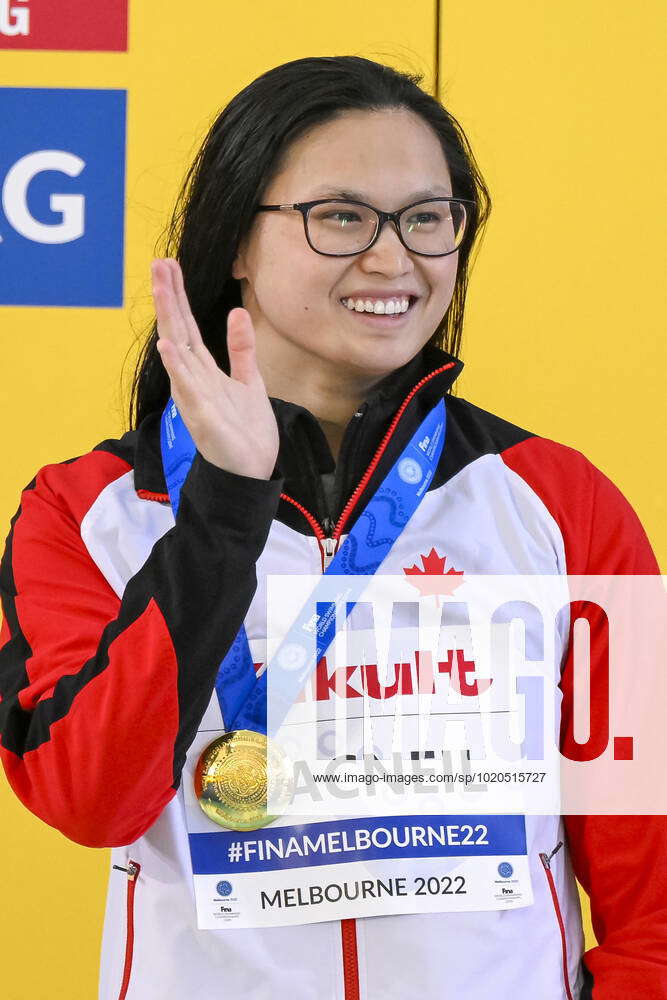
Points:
(387, 253)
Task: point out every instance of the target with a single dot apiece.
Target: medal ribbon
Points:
(241, 694)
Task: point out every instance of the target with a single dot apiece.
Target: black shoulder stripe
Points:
(15, 653)
(123, 447)
(471, 433)
(21, 730)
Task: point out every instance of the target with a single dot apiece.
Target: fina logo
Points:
(505, 869)
(224, 888)
(14, 20)
(410, 471)
(292, 656)
(70, 207)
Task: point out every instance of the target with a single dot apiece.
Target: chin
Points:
(382, 357)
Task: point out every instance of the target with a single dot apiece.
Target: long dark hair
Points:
(242, 152)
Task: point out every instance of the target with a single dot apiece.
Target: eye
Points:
(343, 217)
(422, 217)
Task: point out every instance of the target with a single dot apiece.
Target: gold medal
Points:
(232, 779)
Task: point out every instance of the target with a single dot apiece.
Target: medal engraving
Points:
(232, 779)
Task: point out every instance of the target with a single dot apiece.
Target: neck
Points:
(333, 401)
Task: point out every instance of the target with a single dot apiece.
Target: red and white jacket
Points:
(116, 617)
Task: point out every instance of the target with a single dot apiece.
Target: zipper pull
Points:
(329, 546)
(546, 858)
(131, 871)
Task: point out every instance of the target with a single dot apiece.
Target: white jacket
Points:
(106, 680)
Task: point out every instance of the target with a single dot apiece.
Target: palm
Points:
(229, 417)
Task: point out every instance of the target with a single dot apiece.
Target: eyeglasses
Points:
(337, 228)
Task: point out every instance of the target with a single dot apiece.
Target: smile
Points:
(380, 318)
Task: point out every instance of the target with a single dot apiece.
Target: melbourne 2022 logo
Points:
(62, 188)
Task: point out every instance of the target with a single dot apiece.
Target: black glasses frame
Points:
(305, 206)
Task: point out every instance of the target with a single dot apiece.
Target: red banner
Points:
(73, 25)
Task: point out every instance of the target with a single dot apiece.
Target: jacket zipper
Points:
(546, 862)
(314, 523)
(328, 536)
(348, 932)
(132, 870)
(329, 544)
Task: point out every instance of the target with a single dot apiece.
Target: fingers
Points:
(184, 386)
(181, 364)
(241, 346)
(195, 338)
(177, 326)
(221, 411)
(172, 325)
(172, 302)
(169, 320)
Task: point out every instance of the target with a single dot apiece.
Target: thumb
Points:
(241, 346)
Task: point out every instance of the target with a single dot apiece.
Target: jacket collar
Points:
(304, 452)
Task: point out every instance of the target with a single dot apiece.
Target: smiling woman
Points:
(306, 338)
(292, 414)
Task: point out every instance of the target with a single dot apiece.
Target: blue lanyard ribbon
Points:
(241, 694)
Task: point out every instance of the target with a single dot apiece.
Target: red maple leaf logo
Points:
(433, 579)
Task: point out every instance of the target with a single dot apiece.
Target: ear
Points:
(238, 265)
(238, 268)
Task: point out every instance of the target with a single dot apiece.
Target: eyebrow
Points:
(329, 191)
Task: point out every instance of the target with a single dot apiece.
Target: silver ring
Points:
(188, 347)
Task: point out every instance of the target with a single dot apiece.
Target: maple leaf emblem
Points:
(433, 579)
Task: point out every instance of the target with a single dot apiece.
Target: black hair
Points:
(243, 151)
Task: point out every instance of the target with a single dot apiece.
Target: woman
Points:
(297, 415)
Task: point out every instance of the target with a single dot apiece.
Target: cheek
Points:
(296, 279)
(314, 288)
(443, 280)
(292, 301)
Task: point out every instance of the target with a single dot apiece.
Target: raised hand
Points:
(228, 416)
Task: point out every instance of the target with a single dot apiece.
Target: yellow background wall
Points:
(564, 326)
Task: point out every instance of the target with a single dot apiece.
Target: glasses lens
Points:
(431, 227)
(339, 227)
(434, 227)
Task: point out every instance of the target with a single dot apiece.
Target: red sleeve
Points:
(100, 697)
(621, 861)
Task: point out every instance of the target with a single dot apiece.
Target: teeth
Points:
(388, 307)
